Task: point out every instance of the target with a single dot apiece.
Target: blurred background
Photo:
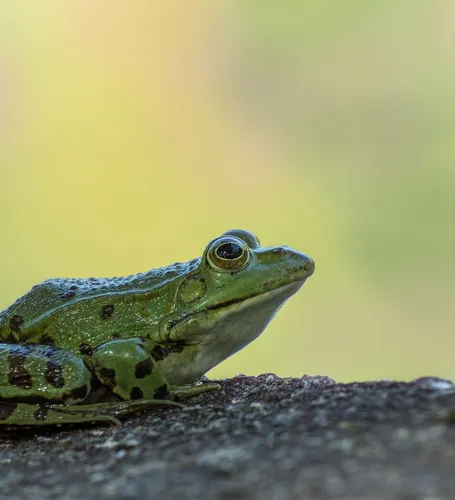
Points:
(131, 133)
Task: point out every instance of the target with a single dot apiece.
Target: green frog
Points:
(88, 350)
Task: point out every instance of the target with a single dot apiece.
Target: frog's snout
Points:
(303, 263)
(299, 264)
(309, 266)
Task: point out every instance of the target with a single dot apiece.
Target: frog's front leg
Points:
(189, 391)
(128, 368)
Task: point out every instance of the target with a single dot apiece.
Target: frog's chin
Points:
(215, 335)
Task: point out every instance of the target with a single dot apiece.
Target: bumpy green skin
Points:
(79, 350)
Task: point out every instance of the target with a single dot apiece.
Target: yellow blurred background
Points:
(131, 133)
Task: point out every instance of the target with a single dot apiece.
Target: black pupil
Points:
(229, 251)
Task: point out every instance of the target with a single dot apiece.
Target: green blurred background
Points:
(131, 133)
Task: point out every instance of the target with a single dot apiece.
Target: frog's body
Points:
(145, 339)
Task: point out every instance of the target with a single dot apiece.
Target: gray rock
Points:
(258, 438)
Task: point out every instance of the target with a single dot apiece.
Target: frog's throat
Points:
(168, 328)
(224, 330)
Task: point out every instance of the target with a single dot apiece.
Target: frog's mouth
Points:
(247, 300)
(218, 332)
(172, 326)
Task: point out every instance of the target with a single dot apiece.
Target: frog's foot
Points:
(189, 391)
(111, 411)
(51, 414)
(26, 414)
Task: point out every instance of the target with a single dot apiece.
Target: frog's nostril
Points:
(278, 250)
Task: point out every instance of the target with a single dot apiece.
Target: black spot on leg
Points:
(18, 374)
(116, 336)
(46, 340)
(53, 374)
(85, 348)
(16, 322)
(107, 311)
(41, 413)
(6, 410)
(79, 393)
(107, 376)
(143, 368)
(136, 393)
(162, 392)
(159, 352)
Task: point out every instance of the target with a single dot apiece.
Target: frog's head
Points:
(227, 301)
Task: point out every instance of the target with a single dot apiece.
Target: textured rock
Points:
(258, 438)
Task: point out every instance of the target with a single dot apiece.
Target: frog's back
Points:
(57, 293)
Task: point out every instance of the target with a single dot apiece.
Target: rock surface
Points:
(258, 438)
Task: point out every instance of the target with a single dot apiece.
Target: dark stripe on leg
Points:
(6, 410)
(54, 375)
(136, 393)
(144, 368)
(18, 374)
(41, 413)
(107, 376)
(162, 392)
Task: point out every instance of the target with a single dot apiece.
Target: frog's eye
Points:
(228, 254)
(249, 238)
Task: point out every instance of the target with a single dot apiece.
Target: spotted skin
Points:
(18, 375)
(85, 349)
(7, 409)
(136, 393)
(33, 372)
(107, 376)
(114, 362)
(46, 340)
(46, 398)
(107, 311)
(53, 375)
(144, 368)
(15, 323)
(100, 349)
(40, 413)
(162, 392)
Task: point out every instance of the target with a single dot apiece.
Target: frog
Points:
(77, 350)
